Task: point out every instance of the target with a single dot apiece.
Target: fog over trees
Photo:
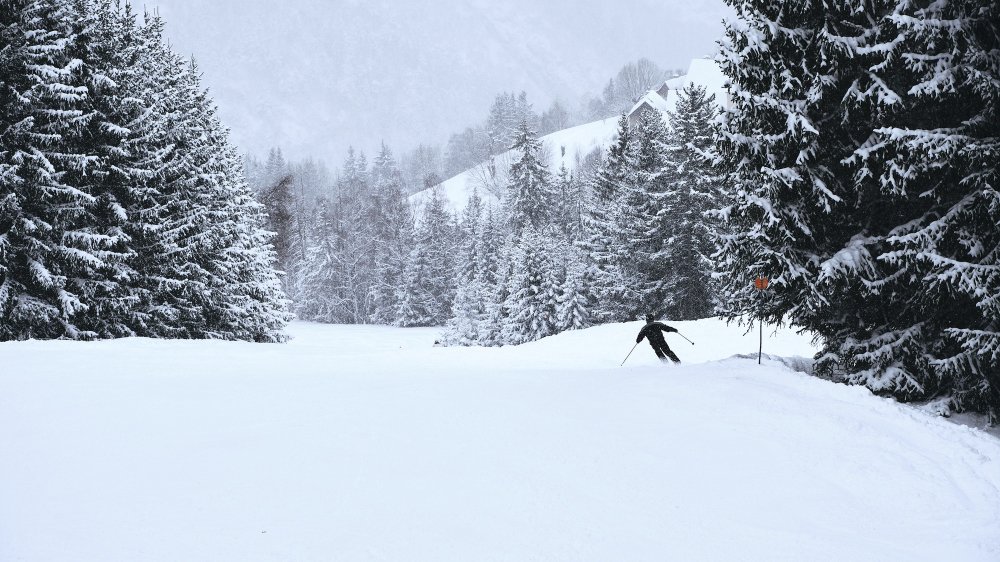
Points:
(315, 76)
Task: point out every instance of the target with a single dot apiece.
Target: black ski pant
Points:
(663, 351)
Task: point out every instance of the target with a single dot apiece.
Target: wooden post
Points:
(761, 284)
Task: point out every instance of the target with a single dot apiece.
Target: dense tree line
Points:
(561, 251)
(123, 208)
(863, 151)
(856, 168)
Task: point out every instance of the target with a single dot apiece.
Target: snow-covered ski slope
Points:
(563, 147)
(369, 443)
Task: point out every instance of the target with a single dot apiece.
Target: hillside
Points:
(369, 443)
(566, 147)
(569, 146)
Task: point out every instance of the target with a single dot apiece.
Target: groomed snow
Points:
(368, 443)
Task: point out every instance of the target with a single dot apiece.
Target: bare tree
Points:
(635, 79)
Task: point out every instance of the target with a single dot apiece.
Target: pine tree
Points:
(320, 298)
(277, 193)
(44, 106)
(529, 195)
(494, 269)
(863, 155)
(574, 302)
(392, 225)
(470, 310)
(931, 167)
(137, 222)
(532, 290)
(567, 204)
(107, 50)
(684, 229)
(428, 287)
(173, 286)
(601, 243)
(639, 216)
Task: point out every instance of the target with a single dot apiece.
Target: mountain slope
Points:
(566, 147)
(368, 443)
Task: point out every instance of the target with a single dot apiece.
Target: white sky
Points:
(314, 76)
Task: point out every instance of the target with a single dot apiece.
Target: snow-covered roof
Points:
(703, 72)
(675, 82)
(706, 72)
(653, 100)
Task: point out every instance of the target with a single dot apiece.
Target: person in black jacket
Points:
(653, 331)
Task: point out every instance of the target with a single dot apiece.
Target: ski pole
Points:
(682, 335)
(629, 353)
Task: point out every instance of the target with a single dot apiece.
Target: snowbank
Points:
(369, 443)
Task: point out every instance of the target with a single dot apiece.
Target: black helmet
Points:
(650, 318)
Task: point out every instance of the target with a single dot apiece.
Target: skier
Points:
(654, 332)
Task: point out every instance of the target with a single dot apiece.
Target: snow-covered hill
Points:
(369, 443)
(569, 146)
(566, 147)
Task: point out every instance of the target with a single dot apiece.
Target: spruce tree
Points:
(635, 218)
(321, 298)
(602, 240)
(468, 310)
(574, 303)
(277, 193)
(532, 290)
(428, 286)
(862, 148)
(494, 269)
(684, 228)
(47, 251)
(928, 326)
(391, 226)
(528, 199)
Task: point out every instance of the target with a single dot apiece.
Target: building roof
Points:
(703, 72)
(653, 100)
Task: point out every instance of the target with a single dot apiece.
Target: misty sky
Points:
(314, 76)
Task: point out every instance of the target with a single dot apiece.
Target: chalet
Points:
(663, 98)
(652, 102)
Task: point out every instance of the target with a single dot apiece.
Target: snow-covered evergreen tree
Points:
(683, 243)
(532, 290)
(124, 211)
(601, 235)
(338, 270)
(567, 204)
(391, 226)
(49, 254)
(528, 199)
(320, 298)
(494, 269)
(469, 308)
(276, 191)
(643, 224)
(428, 286)
(862, 143)
(574, 301)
